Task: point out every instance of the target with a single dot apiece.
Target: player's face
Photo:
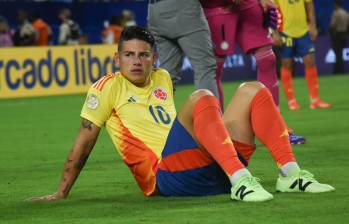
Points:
(136, 61)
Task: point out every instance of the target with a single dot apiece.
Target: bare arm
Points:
(76, 160)
(63, 34)
(266, 4)
(309, 7)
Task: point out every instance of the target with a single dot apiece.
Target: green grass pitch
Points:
(37, 133)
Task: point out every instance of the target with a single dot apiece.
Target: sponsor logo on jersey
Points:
(160, 94)
(92, 101)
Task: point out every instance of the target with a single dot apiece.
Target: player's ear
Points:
(117, 59)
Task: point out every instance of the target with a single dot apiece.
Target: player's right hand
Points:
(313, 32)
(276, 38)
(266, 4)
(51, 197)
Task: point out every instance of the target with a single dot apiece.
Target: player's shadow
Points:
(118, 205)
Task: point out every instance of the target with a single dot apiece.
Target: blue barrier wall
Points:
(92, 14)
(243, 67)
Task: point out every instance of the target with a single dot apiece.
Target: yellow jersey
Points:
(138, 120)
(295, 17)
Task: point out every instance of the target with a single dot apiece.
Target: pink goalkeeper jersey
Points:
(245, 4)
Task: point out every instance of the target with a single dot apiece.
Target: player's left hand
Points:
(266, 4)
(313, 32)
(51, 197)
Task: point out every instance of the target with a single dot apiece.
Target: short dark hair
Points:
(136, 32)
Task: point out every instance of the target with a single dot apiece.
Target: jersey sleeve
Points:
(98, 104)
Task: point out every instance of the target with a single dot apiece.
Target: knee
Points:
(287, 64)
(198, 94)
(309, 61)
(250, 88)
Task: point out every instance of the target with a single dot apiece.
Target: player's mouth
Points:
(137, 71)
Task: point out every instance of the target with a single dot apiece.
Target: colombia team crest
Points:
(160, 94)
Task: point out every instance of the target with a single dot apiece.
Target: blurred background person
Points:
(339, 32)
(111, 33)
(43, 30)
(246, 24)
(241, 23)
(5, 33)
(128, 18)
(25, 33)
(69, 30)
(298, 36)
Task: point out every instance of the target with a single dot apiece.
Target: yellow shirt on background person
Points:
(294, 16)
(138, 120)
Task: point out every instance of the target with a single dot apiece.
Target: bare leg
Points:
(236, 119)
(309, 60)
(251, 113)
(237, 116)
(202, 118)
(185, 116)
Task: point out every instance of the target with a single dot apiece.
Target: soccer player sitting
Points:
(198, 151)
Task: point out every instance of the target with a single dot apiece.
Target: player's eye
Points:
(144, 55)
(128, 54)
